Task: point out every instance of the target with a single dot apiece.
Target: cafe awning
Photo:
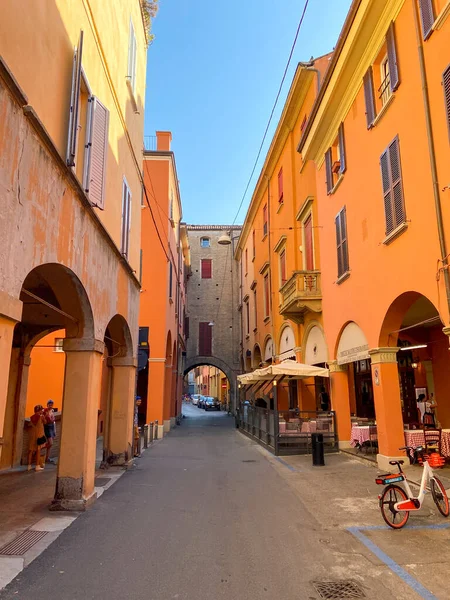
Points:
(287, 368)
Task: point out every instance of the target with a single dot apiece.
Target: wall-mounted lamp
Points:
(211, 323)
(414, 365)
(239, 385)
(275, 383)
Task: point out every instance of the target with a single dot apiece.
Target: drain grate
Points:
(337, 590)
(101, 481)
(23, 543)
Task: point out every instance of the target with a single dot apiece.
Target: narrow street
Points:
(208, 514)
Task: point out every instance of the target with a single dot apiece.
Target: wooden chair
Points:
(432, 440)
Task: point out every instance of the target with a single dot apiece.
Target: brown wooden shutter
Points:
(337, 222)
(309, 258)
(341, 242)
(427, 17)
(391, 176)
(97, 147)
(342, 156)
(369, 97)
(328, 171)
(74, 116)
(206, 268)
(126, 218)
(392, 58)
(446, 87)
(205, 339)
(280, 185)
(186, 327)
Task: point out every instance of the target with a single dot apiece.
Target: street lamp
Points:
(224, 239)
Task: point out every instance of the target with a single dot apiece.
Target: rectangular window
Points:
(335, 160)
(74, 114)
(255, 309)
(205, 242)
(247, 317)
(206, 268)
(341, 242)
(186, 327)
(141, 256)
(170, 280)
(427, 17)
(283, 277)
(280, 186)
(132, 54)
(205, 339)
(58, 345)
(126, 218)
(253, 236)
(391, 176)
(446, 88)
(266, 296)
(265, 220)
(308, 241)
(246, 261)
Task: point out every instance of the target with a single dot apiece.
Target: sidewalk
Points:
(343, 497)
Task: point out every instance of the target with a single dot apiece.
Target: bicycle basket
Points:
(435, 460)
(389, 478)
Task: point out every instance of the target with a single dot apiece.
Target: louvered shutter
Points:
(342, 156)
(446, 86)
(344, 244)
(74, 116)
(280, 186)
(132, 53)
(392, 58)
(205, 339)
(206, 268)
(126, 218)
(328, 171)
(427, 17)
(387, 192)
(337, 222)
(96, 151)
(396, 182)
(369, 97)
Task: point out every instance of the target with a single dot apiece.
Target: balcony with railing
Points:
(150, 143)
(300, 294)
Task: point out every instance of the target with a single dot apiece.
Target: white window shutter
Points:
(74, 115)
(96, 152)
(126, 219)
(132, 52)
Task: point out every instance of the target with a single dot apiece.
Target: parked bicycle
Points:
(397, 502)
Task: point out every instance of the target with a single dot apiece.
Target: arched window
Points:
(205, 242)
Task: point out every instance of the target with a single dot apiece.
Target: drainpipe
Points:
(271, 311)
(432, 154)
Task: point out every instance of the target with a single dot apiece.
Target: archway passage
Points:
(213, 361)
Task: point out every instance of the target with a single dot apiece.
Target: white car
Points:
(195, 399)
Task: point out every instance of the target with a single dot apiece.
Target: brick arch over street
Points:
(212, 361)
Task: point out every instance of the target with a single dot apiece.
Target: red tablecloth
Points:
(363, 433)
(309, 427)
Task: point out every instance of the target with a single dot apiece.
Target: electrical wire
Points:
(273, 109)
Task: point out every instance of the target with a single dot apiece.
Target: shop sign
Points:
(353, 354)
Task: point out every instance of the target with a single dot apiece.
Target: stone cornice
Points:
(335, 368)
(383, 355)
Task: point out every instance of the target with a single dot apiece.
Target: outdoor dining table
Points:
(363, 433)
(415, 437)
(309, 427)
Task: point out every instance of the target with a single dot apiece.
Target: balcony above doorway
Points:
(300, 294)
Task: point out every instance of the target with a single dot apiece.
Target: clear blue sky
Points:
(213, 73)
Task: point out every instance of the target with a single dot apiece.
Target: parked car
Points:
(212, 403)
(201, 401)
(195, 399)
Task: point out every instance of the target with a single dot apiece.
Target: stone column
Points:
(82, 384)
(388, 410)
(119, 449)
(10, 314)
(340, 401)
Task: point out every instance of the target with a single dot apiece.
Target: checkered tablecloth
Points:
(445, 443)
(309, 427)
(416, 438)
(362, 433)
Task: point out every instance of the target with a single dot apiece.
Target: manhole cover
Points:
(101, 481)
(23, 543)
(336, 590)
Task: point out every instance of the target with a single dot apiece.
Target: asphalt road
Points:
(203, 516)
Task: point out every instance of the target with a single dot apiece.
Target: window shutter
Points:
(344, 244)
(126, 218)
(205, 339)
(280, 185)
(206, 268)
(328, 171)
(337, 222)
(96, 150)
(446, 86)
(186, 327)
(427, 17)
(397, 188)
(170, 279)
(392, 58)
(387, 195)
(369, 97)
(74, 116)
(132, 52)
(342, 156)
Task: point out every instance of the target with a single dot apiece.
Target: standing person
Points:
(426, 416)
(324, 399)
(49, 427)
(136, 425)
(37, 439)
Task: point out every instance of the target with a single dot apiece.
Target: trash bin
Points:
(317, 450)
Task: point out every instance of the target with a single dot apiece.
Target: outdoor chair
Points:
(432, 440)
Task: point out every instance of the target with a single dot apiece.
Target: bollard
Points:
(317, 449)
(151, 432)
(145, 436)
(156, 429)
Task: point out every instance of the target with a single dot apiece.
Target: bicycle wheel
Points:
(391, 495)
(439, 496)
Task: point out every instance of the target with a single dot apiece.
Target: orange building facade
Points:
(165, 268)
(278, 252)
(70, 188)
(371, 158)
